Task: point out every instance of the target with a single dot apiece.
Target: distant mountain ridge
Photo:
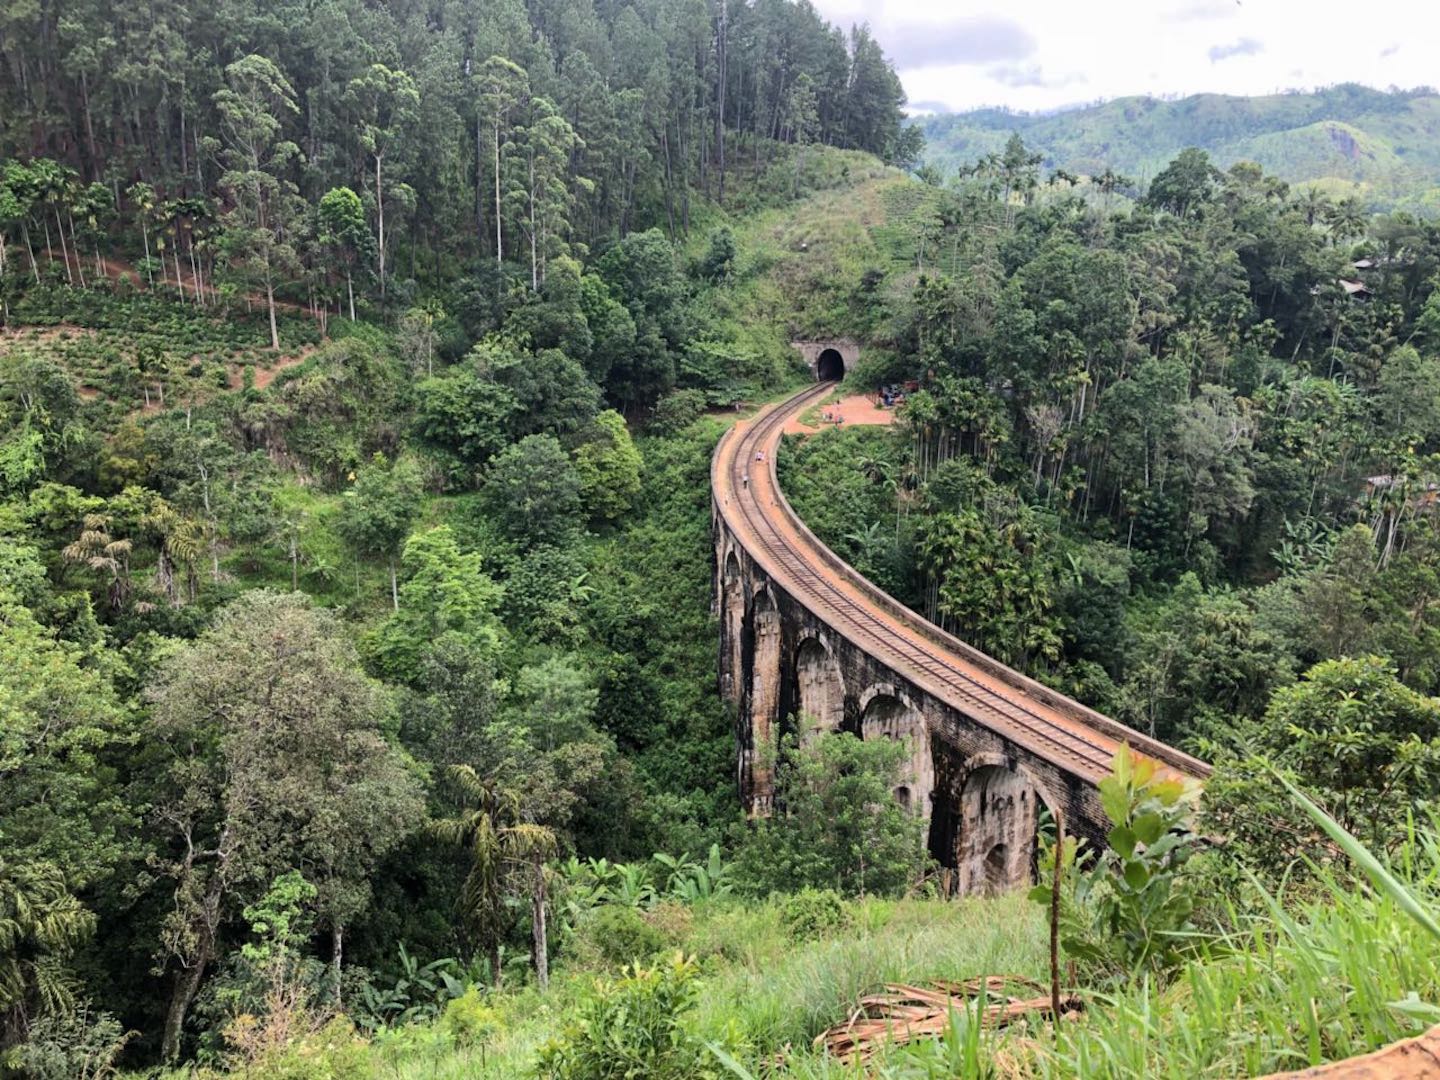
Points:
(1388, 143)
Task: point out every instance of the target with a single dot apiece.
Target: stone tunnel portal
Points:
(830, 367)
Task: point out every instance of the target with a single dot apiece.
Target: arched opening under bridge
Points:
(999, 817)
(887, 716)
(733, 612)
(820, 688)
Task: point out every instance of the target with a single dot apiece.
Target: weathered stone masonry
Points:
(980, 794)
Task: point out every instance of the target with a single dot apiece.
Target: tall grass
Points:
(1349, 971)
(1295, 984)
(782, 995)
(762, 991)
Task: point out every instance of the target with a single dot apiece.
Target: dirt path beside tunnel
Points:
(853, 409)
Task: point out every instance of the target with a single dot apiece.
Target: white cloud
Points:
(1244, 47)
(1043, 54)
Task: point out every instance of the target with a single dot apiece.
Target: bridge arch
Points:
(967, 702)
(998, 810)
(888, 713)
(820, 686)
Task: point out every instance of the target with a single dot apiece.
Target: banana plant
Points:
(633, 887)
(419, 995)
(691, 883)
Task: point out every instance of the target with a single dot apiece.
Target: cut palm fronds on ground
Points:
(904, 1014)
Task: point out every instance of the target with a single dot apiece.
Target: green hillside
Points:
(1388, 143)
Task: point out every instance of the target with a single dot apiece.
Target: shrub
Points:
(397, 1046)
(69, 1046)
(676, 411)
(673, 920)
(634, 1026)
(468, 1020)
(268, 1051)
(814, 913)
(1130, 913)
(620, 935)
(841, 827)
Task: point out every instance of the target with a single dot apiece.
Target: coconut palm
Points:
(1346, 219)
(1313, 203)
(874, 469)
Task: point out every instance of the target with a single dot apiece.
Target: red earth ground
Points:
(855, 409)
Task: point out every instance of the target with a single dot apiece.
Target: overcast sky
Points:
(1044, 54)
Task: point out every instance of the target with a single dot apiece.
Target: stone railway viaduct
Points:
(803, 633)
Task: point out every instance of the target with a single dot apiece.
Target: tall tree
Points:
(549, 144)
(58, 800)
(142, 198)
(256, 158)
(503, 86)
(497, 841)
(385, 103)
(275, 760)
(379, 511)
(344, 234)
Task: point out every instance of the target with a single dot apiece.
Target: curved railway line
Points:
(1063, 732)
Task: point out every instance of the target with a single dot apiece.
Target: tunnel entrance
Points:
(830, 366)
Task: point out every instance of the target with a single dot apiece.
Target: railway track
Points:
(1057, 729)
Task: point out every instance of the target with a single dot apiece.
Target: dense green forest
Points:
(360, 370)
(1179, 461)
(1345, 140)
(333, 578)
(501, 129)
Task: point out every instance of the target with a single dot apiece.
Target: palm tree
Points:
(504, 851)
(51, 182)
(142, 195)
(106, 555)
(875, 469)
(41, 922)
(1313, 203)
(1109, 182)
(1346, 219)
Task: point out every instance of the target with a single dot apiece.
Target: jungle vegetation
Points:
(1345, 140)
(360, 370)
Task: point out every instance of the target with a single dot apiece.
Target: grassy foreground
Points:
(761, 991)
(1340, 974)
